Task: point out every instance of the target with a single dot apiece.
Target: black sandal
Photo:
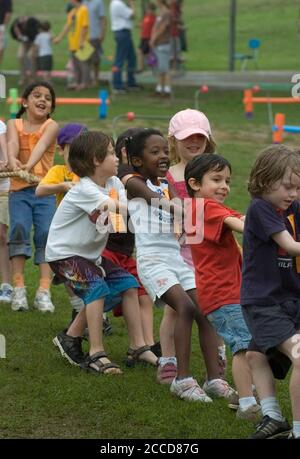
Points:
(133, 356)
(102, 367)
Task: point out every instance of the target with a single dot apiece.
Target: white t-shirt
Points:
(4, 182)
(153, 227)
(72, 232)
(43, 42)
(120, 15)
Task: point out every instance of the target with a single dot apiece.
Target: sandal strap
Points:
(135, 353)
(98, 355)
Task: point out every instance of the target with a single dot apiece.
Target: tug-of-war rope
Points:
(24, 175)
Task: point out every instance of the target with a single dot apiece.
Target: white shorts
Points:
(159, 272)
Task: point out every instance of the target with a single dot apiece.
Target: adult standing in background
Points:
(121, 16)
(77, 27)
(24, 29)
(5, 14)
(97, 33)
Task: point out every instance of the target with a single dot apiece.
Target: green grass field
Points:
(42, 396)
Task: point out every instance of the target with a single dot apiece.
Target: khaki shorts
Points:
(4, 217)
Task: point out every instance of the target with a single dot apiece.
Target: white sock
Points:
(76, 303)
(296, 429)
(246, 402)
(6, 286)
(270, 407)
(158, 88)
(167, 89)
(164, 360)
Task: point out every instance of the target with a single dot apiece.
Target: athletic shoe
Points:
(70, 347)
(218, 388)
(188, 389)
(270, 428)
(6, 293)
(252, 413)
(42, 301)
(166, 373)
(292, 437)
(19, 300)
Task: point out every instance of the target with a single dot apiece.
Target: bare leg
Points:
(177, 298)
(132, 316)
(18, 265)
(291, 348)
(146, 311)
(262, 374)
(241, 374)
(208, 341)
(167, 330)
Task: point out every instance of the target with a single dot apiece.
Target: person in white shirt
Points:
(121, 17)
(77, 237)
(43, 45)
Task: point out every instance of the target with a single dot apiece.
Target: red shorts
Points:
(129, 264)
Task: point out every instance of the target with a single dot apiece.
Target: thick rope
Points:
(24, 175)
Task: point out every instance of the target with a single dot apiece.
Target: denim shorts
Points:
(91, 282)
(229, 323)
(27, 210)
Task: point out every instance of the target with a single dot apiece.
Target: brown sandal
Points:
(133, 356)
(102, 368)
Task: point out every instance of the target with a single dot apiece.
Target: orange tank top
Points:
(27, 142)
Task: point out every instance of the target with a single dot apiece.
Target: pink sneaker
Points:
(166, 373)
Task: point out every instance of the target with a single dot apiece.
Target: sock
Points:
(296, 429)
(167, 89)
(18, 280)
(246, 402)
(5, 286)
(158, 88)
(186, 379)
(45, 283)
(270, 407)
(164, 360)
(76, 303)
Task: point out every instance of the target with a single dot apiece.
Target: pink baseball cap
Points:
(188, 122)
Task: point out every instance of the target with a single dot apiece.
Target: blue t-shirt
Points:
(269, 274)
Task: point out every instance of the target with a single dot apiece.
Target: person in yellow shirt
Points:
(77, 27)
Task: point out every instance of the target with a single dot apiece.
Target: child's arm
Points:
(48, 137)
(137, 188)
(286, 242)
(47, 190)
(235, 224)
(62, 34)
(13, 146)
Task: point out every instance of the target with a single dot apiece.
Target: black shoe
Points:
(107, 328)
(156, 349)
(69, 347)
(270, 428)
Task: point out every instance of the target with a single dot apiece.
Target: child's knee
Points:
(255, 358)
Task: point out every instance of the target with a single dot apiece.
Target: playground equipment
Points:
(280, 127)
(249, 101)
(102, 101)
(253, 44)
(131, 116)
(201, 90)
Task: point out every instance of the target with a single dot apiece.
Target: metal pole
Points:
(232, 35)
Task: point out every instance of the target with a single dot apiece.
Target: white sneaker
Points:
(42, 301)
(6, 293)
(189, 389)
(219, 388)
(19, 300)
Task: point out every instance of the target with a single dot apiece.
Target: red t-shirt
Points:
(217, 259)
(147, 25)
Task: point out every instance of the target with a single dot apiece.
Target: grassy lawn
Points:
(42, 396)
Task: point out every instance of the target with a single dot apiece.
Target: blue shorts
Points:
(229, 323)
(91, 282)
